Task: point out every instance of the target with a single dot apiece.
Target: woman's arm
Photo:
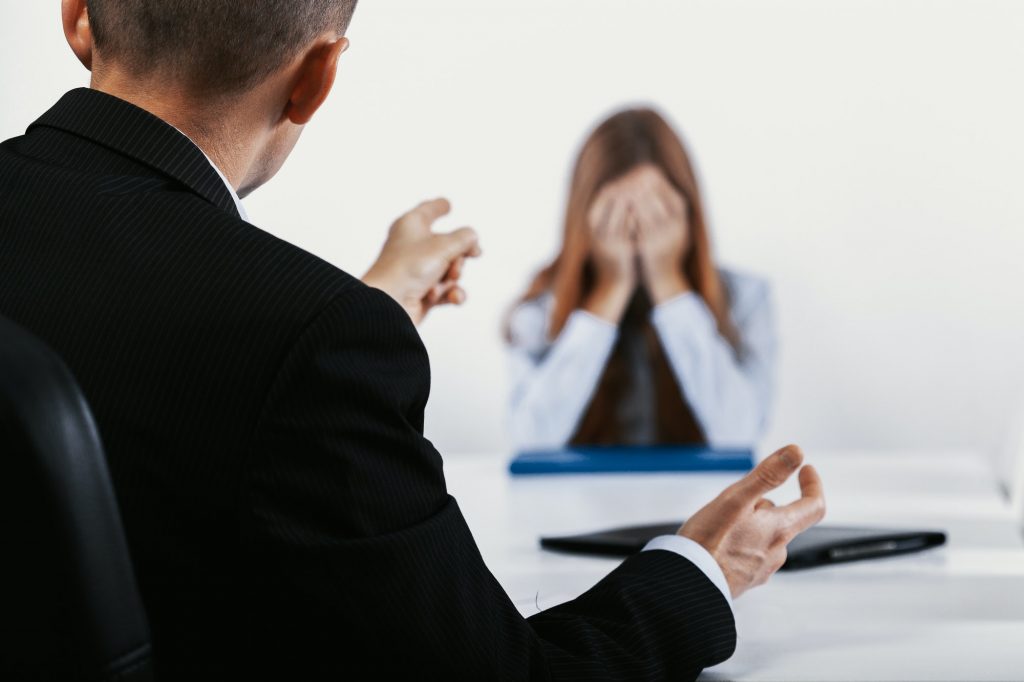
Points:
(729, 393)
(552, 384)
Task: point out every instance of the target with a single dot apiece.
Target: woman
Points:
(632, 335)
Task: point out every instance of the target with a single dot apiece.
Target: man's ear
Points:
(77, 30)
(315, 80)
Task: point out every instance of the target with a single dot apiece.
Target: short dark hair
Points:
(211, 46)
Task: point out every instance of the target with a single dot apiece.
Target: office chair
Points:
(69, 604)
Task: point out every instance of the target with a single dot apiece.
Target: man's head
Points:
(213, 46)
(204, 64)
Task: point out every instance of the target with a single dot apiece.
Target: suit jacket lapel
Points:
(136, 133)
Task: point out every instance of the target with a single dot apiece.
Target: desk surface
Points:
(952, 614)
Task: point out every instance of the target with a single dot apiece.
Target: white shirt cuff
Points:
(698, 556)
(584, 345)
(590, 321)
(683, 312)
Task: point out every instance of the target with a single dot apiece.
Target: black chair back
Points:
(69, 604)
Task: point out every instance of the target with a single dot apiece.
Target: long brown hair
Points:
(621, 143)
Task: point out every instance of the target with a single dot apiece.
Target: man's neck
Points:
(217, 132)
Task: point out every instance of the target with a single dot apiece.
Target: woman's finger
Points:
(647, 214)
(597, 217)
(617, 217)
(654, 202)
(632, 227)
(672, 199)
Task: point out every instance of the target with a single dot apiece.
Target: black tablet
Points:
(817, 546)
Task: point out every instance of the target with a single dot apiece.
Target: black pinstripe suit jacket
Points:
(262, 413)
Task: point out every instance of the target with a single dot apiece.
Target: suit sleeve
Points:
(368, 568)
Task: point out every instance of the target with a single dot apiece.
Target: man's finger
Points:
(810, 483)
(809, 509)
(444, 293)
(457, 296)
(769, 474)
(454, 271)
(462, 243)
(764, 503)
(433, 209)
(432, 297)
(447, 293)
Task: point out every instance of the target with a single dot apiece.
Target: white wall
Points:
(867, 156)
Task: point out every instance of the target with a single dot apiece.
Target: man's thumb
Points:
(772, 472)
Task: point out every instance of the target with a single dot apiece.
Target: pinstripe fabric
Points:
(263, 416)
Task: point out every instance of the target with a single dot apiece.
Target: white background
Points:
(868, 157)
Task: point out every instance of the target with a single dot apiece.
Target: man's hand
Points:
(746, 533)
(419, 268)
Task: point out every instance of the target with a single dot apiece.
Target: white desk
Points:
(956, 613)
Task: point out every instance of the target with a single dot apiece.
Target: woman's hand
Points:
(663, 234)
(612, 229)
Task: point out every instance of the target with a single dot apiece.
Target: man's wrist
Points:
(378, 280)
(699, 555)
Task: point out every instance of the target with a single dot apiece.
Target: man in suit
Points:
(262, 410)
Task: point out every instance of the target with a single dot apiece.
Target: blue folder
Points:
(603, 459)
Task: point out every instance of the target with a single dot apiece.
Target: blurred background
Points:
(866, 156)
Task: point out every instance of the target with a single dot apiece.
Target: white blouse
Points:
(729, 392)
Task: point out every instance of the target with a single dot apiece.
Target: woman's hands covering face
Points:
(663, 234)
(612, 232)
(639, 233)
(613, 238)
